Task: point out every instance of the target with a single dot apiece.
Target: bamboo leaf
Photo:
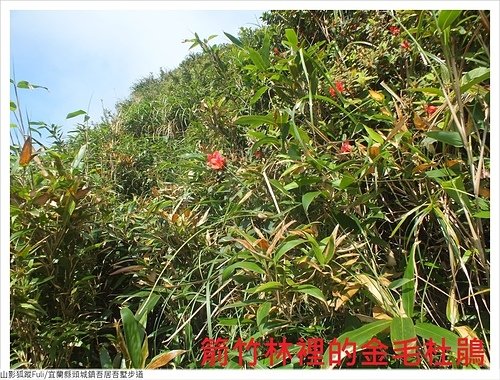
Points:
(308, 198)
(105, 359)
(268, 286)
(226, 273)
(448, 137)
(446, 18)
(234, 40)
(473, 77)
(75, 114)
(255, 120)
(29, 86)
(310, 290)
(402, 329)
(436, 333)
(374, 135)
(134, 335)
(77, 162)
(258, 94)
(408, 287)
(287, 247)
(292, 38)
(263, 312)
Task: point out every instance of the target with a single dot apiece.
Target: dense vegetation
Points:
(323, 176)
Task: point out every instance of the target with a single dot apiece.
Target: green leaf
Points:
(346, 181)
(398, 283)
(291, 36)
(448, 137)
(13, 106)
(402, 328)
(436, 333)
(485, 214)
(263, 312)
(473, 77)
(258, 94)
(374, 135)
(134, 336)
(455, 188)
(366, 332)
(77, 162)
(255, 120)
(308, 198)
(440, 173)
(226, 273)
(266, 49)
(408, 287)
(257, 59)
(75, 114)
(272, 285)
(233, 321)
(428, 90)
(29, 86)
(310, 290)
(234, 40)
(148, 305)
(106, 362)
(446, 18)
(287, 247)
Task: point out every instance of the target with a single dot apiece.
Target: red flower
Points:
(346, 147)
(258, 154)
(430, 109)
(339, 86)
(276, 51)
(394, 30)
(405, 45)
(216, 161)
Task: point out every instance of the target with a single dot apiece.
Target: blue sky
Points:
(90, 59)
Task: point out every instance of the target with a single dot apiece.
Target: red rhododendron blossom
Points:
(258, 154)
(346, 147)
(216, 161)
(339, 86)
(394, 30)
(430, 109)
(405, 45)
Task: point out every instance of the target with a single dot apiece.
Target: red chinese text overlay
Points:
(316, 352)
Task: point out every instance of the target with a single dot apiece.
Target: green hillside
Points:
(324, 178)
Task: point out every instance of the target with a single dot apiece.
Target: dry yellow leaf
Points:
(385, 111)
(374, 150)
(347, 293)
(484, 192)
(451, 163)
(376, 95)
(420, 123)
(422, 167)
(26, 152)
(379, 313)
